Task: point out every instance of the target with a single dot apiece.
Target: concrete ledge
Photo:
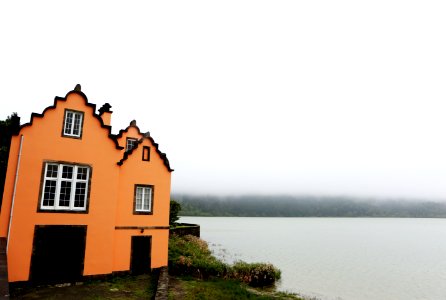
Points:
(162, 290)
(183, 229)
(4, 285)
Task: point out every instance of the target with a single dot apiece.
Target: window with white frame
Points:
(143, 199)
(73, 123)
(65, 187)
(131, 143)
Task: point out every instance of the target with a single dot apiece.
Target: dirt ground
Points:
(129, 287)
(176, 289)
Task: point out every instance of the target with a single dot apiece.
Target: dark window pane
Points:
(147, 198)
(82, 173)
(77, 124)
(68, 122)
(65, 193)
(49, 193)
(80, 194)
(51, 171)
(67, 172)
(138, 199)
(131, 143)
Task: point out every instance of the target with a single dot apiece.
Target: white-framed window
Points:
(130, 144)
(143, 199)
(65, 187)
(72, 125)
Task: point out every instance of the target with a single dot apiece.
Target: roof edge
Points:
(92, 105)
(147, 136)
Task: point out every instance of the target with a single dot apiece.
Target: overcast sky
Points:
(258, 97)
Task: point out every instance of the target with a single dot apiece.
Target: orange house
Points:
(81, 201)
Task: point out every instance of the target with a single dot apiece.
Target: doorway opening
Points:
(58, 253)
(140, 257)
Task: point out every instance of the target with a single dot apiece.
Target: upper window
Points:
(72, 125)
(143, 199)
(65, 187)
(131, 143)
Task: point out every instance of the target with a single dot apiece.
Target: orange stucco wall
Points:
(153, 172)
(111, 192)
(160, 239)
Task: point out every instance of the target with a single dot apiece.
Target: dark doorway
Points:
(140, 260)
(58, 254)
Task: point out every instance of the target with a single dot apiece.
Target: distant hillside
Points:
(287, 206)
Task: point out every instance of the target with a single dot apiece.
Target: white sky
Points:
(263, 97)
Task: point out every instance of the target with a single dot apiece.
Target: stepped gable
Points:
(77, 90)
(147, 136)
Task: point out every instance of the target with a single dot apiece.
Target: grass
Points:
(217, 289)
(188, 288)
(200, 275)
(118, 288)
(191, 256)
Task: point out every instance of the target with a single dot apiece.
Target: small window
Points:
(65, 187)
(131, 143)
(146, 153)
(72, 125)
(143, 201)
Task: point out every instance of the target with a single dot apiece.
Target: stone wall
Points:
(183, 229)
(162, 290)
(4, 285)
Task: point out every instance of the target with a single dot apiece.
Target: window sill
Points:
(62, 211)
(143, 212)
(72, 136)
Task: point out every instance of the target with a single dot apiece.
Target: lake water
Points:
(339, 258)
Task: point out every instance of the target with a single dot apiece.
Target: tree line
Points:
(8, 127)
(303, 206)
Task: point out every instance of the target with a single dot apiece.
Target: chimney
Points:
(105, 114)
(15, 123)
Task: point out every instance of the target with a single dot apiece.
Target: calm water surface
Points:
(339, 258)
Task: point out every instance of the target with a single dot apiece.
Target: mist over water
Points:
(339, 258)
(307, 206)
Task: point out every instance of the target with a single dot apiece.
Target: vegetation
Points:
(7, 128)
(118, 287)
(256, 274)
(288, 206)
(175, 208)
(199, 275)
(215, 289)
(190, 256)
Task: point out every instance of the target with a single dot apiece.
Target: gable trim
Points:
(146, 135)
(88, 104)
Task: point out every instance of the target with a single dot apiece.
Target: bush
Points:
(255, 274)
(175, 208)
(190, 255)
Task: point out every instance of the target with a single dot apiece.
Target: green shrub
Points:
(175, 208)
(190, 255)
(255, 274)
